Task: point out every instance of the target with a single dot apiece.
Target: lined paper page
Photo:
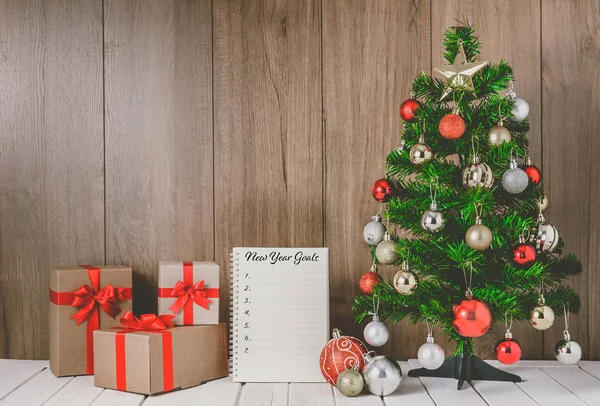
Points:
(281, 313)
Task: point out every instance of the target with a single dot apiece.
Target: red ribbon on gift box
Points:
(88, 299)
(187, 293)
(153, 324)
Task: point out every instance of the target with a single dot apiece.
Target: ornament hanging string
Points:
(541, 299)
(516, 154)
(566, 311)
(508, 326)
(478, 213)
(433, 192)
(468, 293)
(375, 312)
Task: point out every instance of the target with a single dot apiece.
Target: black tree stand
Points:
(466, 369)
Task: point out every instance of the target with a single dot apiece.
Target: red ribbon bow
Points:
(147, 322)
(87, 298)
(185, 292)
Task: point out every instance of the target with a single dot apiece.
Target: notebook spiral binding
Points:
(233, 313)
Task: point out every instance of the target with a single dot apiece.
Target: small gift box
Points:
(82, 299)
(190, 291)
(149, 356)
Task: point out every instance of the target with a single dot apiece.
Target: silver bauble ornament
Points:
(547, 237)
(432, 220)
(567, 351)
(420, 153)
(478, 236)
(521, 109)
(515, 180)
(382, 375)
(477, 174)
(350, 382)
(373, 232)
(386, 250)
(376, 333)
(431, 355)
(498, 134)
(542, 317)
(405, 281)
(542, 204)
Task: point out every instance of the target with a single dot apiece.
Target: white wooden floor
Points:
(545, 383)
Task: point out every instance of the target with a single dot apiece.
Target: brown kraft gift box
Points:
(194, 354)
(190, 288)
(71, 301)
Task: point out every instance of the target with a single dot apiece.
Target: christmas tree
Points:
(465, 191)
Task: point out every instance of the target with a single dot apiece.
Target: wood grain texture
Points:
(371, 53)
(159, 152)
(51, 158)
(268, 125)
(570, 60)
(509, 30)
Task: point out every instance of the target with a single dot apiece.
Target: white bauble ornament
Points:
(376, 333)
(430, 355)
(386, 250)
(521, 109)
(542, 204)
(515, 180)
(373, 232)
(542, 317)
(432, 220)
(567, 351)
(478, 236)
(382, 375)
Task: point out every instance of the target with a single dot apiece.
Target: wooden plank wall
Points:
(135, 131)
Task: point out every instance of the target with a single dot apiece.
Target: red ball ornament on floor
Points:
(508, 351)
(381, 190)
(408, 109)
(471, 318)
(368, 281)
(524, 255)
(341, 353)
(452, 126)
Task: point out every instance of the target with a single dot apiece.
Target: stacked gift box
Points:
(93, 331)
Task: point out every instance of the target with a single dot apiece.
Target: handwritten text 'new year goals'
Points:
(274, 257)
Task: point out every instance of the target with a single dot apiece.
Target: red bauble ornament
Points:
(535, 176)
(524, 255)
(408, 109)
(452, 126)
(381, 190)
(533, 173)
(340, 354)
(471, 318)
(508, 351)
(368, 281)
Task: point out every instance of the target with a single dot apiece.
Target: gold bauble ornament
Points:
(386, 250)
(498, 134)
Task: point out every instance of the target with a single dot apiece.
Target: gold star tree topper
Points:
(460, 73)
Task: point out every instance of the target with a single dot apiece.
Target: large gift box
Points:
(190, 291)
(147, 356)
(82, 299)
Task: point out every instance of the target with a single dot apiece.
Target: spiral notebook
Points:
(279, 313)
